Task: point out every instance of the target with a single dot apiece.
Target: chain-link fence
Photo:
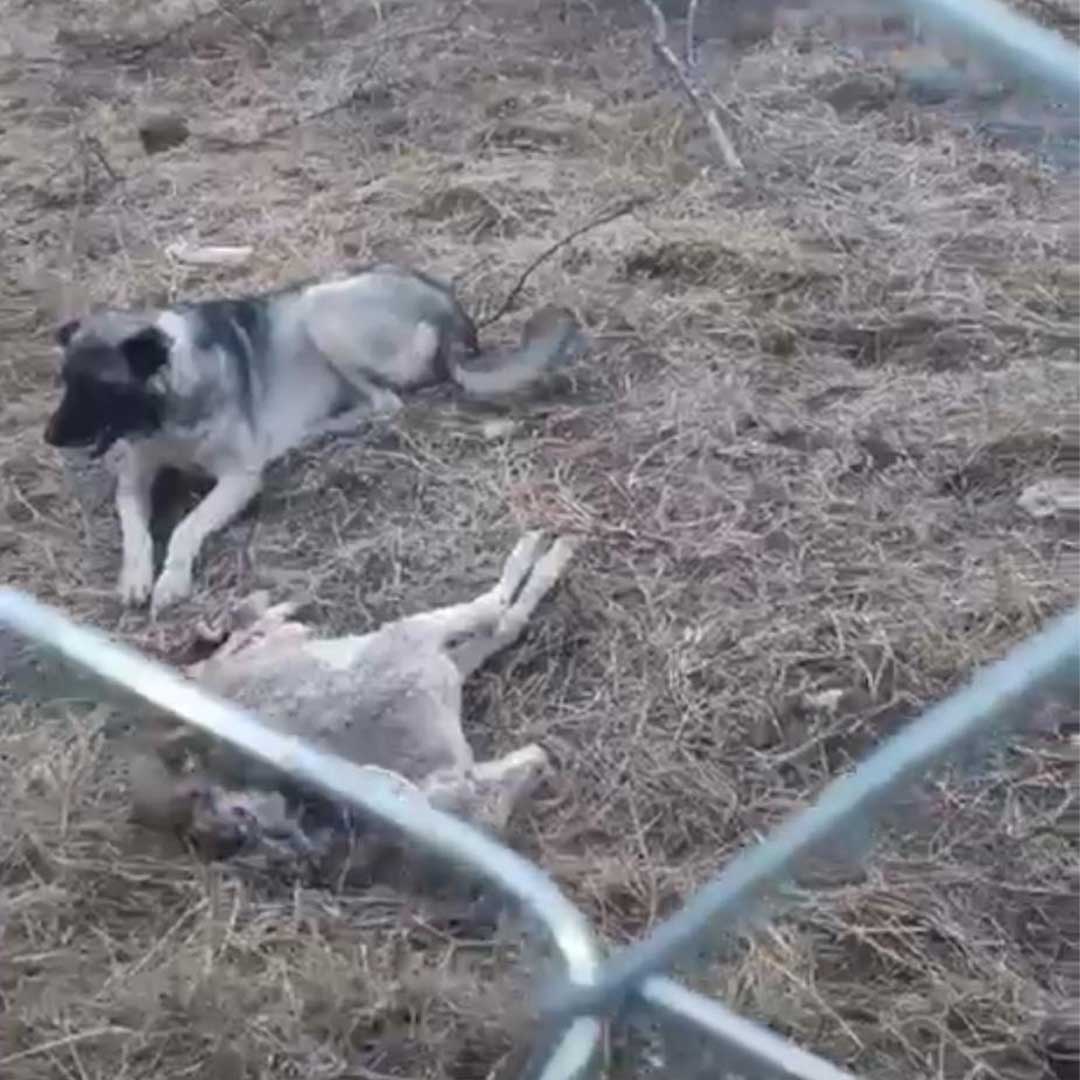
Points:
(700, 1037)
(999, 33)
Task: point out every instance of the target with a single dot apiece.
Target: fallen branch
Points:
(92, 145)
(697, 95)
(619, 211)
(209, 256)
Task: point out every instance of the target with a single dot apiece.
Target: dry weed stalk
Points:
(683, 72)
(619, 211)
(801, 444)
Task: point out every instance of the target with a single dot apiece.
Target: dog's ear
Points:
(145, 352)
(66, 332)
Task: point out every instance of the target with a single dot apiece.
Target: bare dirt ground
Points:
(815, 395)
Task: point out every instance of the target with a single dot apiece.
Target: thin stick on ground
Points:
(697, 95)
(619, 211)
(691, 44)
(753, 554)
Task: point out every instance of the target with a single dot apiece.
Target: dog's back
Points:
(387, 324)
(401, 330)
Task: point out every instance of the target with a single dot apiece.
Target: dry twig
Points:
(768, 596)
(92, 146)
(620, 211)
(691, 44)
(697, 95)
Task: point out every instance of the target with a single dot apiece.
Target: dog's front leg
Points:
(134, 481)
(228, 497)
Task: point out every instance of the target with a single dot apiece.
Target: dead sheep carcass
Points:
(389, 700)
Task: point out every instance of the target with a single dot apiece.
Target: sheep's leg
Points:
(522, 599)
(458, 624)
(488, 795)
(506, 783)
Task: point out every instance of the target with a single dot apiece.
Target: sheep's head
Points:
(220, 800)
(250, 633)
(219, 824)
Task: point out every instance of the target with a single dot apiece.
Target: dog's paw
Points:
(172, 586)
(136, 581)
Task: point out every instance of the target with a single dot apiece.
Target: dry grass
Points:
(814, 399)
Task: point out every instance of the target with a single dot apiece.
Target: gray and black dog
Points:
(223, 387)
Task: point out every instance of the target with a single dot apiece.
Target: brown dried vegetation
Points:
(815, 395)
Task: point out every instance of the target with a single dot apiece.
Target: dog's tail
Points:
(551, 339)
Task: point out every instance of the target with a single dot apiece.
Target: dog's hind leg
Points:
(378, 403)
(228, 497)
(374, 355)
(526, 581)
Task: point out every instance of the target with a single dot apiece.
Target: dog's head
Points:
(108, 363)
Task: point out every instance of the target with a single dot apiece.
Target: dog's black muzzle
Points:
(57, 433)
(100, 441)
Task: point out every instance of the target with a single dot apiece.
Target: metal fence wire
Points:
(700, 1037)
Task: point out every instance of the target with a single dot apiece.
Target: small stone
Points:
(1057, 496)
(162, 131)
(497, 429)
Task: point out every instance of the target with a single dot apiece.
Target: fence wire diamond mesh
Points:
(697, 1036)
